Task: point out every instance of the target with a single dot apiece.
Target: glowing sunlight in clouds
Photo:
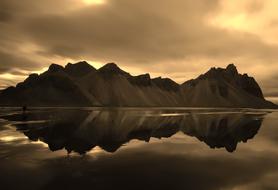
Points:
(91, 2)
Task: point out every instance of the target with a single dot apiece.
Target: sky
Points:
(179, 39)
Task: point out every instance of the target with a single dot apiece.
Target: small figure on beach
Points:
(24, 115)
(24, 108)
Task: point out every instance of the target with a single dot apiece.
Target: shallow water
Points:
(59, 148)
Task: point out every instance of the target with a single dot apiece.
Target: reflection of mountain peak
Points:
(223, 130)
(80, 131)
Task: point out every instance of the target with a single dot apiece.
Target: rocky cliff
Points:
(81, 84)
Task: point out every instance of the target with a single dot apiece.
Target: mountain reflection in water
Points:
(82, 130)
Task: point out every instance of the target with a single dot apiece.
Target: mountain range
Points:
(80, 84)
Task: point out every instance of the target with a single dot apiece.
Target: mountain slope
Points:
(224, 88)
(52, 88)
(81, 84)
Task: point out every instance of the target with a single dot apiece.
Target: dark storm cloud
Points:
(32, 7)
(5, 16)
(131, 31)
(270, 85)
(117, 31)
(10, 63)
(142, 32)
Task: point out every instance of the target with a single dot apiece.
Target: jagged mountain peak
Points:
(78, 64)
(231, 68)
(81, 84)
(215, 73)
(112, 68)
(79, 69)
(55, 68)
(32, 78)
(141, 80)
(146, 76)
(166, 83)
(224, 84)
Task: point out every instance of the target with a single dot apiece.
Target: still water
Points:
(94, 148)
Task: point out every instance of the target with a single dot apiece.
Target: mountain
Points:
(225, 88)
(81, 84)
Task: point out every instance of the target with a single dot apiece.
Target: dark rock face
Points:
(231, 75)
(166, 84)
(79, 69)
(31, 80)
(48, 89)
(231, 68)
(162, 83)
(249, 85)
(228, 86)
(60, 94)
(141, 80)
(112, 69)
(55, 68)
(81, 84)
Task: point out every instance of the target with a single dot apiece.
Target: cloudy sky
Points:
(179, 39)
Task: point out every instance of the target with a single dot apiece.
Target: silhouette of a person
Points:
(24, 108)
(24, 115)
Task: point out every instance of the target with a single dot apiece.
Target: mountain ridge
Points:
(81, 84)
